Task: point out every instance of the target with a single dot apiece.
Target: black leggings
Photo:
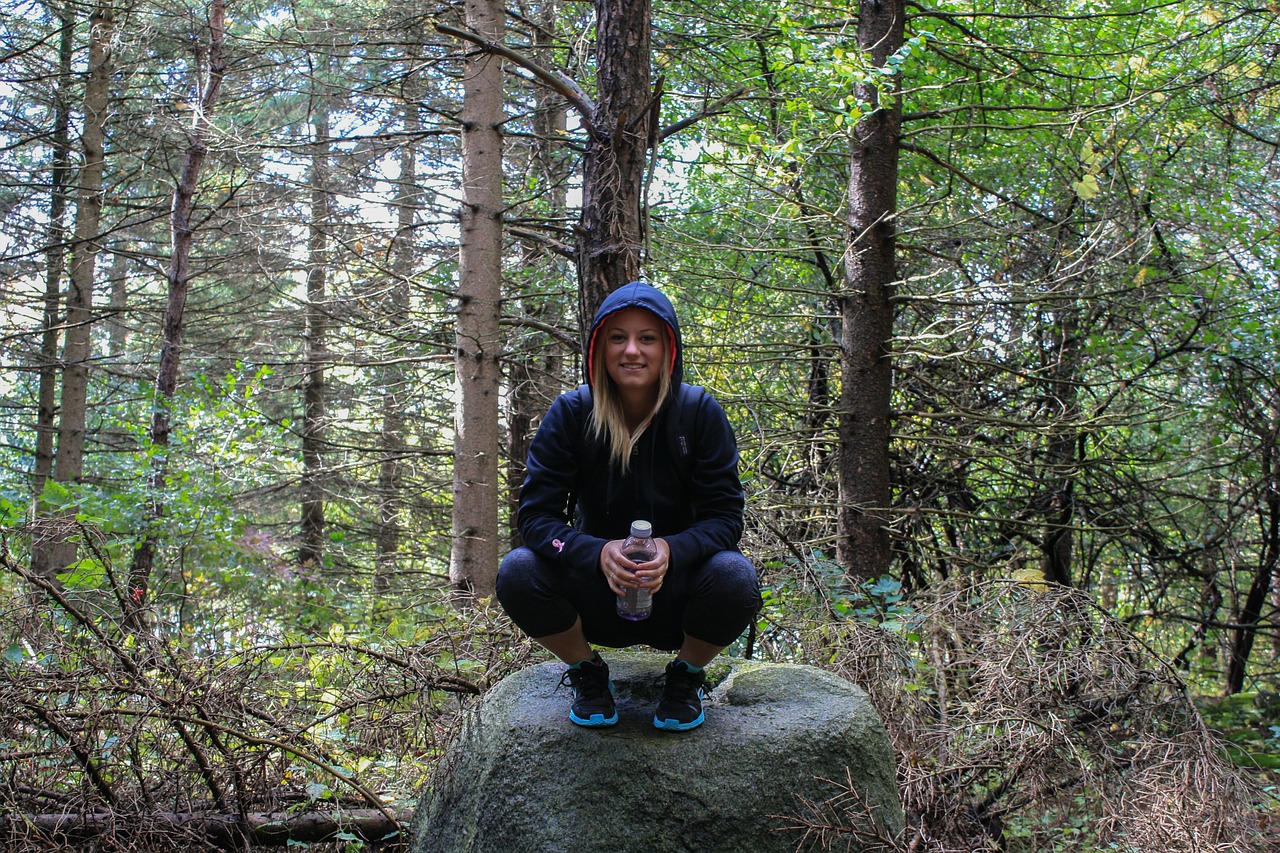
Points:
(714, 602)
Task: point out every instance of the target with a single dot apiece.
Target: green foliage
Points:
(11, 513)
(1250, 722)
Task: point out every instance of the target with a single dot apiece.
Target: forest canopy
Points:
(989, 296)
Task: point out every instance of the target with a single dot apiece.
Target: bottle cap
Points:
(641, 529)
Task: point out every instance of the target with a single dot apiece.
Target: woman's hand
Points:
(622, 574)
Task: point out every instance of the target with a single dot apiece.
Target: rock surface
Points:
(522, 779)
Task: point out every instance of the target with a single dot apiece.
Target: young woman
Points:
(634, 444)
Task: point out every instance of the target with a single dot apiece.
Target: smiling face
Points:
(634, 351)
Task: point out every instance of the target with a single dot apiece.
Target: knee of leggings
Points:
(732, 579)
(515, 574)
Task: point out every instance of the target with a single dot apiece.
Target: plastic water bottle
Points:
(637, 604)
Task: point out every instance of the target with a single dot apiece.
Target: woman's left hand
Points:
(622, 574)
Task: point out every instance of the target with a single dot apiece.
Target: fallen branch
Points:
(230, 832)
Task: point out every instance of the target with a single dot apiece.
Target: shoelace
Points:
(585, 684)
(682, 680)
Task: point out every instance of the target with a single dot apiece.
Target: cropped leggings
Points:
(714, 602)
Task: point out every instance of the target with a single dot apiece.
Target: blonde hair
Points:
(608, 423)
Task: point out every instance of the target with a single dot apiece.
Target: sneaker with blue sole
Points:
(680, 708)
(593, 704)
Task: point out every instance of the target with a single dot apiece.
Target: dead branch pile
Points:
(131, 740)
(1029, 719)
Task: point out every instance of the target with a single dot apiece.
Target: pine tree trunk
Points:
(392, 376)
(179, 278)
(56, 545)
(473, 562)
(867, 312)
(1061, 463)
(55, 257)
(312, 525)
(1249, 621)
(535, 371)
(619, 135)
(118, 303)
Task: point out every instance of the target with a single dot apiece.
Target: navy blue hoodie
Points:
(698, 516)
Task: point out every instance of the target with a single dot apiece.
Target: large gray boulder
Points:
(521, 778)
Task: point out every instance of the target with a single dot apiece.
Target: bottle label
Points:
(637, 604)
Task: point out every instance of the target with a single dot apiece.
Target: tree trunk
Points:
(1246, 630)
(1275, 619)
(118, 304)
(312, 522)
(473, 562)
(619, 135)
(1061, 462)
(55, 257)
(535, 371)
(392, 375)
(866, 310)
(818, 409)
(179, 277)
(58, 544)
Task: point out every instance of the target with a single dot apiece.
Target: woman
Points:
(633, 444)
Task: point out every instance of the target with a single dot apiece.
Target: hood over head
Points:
(639, 294)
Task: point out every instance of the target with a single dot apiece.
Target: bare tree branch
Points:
(707, 111)
(558, 81)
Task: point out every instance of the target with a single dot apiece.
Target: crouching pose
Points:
(636, 443)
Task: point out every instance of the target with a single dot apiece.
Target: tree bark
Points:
(179, 277)
(1246, 630)
(473, 561)
(866, 309)
(818, 408)
(535, 371)
(620, 132)
(392, 376)
(118, 278)
(58, 543)
(1064, 437)
(55, 257)
(311, 530)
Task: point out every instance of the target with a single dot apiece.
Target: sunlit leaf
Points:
(87, 573)
(1032, 579)
(1087, 187)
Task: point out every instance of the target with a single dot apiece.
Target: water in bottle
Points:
(637, 604)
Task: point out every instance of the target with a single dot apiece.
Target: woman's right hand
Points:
(617, 569)
(622, 574)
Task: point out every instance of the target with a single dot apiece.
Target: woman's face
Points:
(634, 349)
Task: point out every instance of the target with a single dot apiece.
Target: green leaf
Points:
(317, 790)
(55, 494)
(1087, 187)
(11, 514)
(84, 574)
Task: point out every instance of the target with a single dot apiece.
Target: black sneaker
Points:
(592, 693)
(681, 705)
